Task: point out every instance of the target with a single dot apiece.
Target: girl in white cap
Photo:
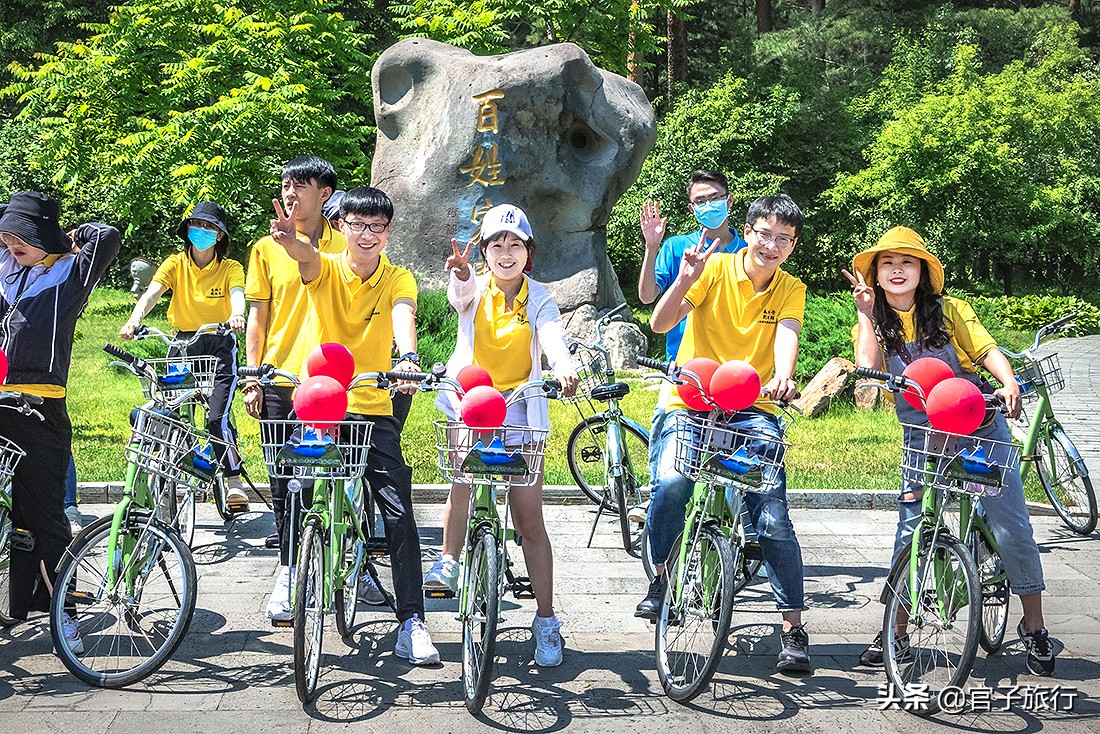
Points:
(506, 323)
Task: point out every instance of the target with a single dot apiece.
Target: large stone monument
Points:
(543, 129)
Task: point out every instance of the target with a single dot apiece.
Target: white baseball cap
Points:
(505, 218)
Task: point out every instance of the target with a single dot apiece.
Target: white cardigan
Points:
(547, 331)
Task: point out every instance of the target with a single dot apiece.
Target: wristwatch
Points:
(410, 357)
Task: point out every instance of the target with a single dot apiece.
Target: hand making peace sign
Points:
(458, 262)
(863, 294)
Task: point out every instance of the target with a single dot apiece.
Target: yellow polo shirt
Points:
(199, 295)
(273, 277)
(970, 339)
(730, 320)
(502, 337)
(357, 314)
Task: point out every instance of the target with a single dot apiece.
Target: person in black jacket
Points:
(46, 277)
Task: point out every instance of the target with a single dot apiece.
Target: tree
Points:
(763, 16)
(172, 101)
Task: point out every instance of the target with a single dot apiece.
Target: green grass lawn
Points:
(844, 449)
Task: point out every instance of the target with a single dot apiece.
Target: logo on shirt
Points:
(216, 292)
(521, 319)
(768, 316)
(371, 315)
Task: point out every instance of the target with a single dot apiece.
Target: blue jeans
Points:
(1006, 514)
(767, 511)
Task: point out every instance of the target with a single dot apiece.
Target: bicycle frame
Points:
(710, 505)
(483, 512)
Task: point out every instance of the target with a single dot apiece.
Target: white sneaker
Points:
(415, 644)
(443, 575)
(548, 644)
(76, 522)
(278, 605)
(369, 593)
(71, 628)
(637, 513)
(236, 499)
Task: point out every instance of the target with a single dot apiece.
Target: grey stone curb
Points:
(822, 499)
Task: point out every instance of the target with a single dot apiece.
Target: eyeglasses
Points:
(709, 199)
(766, 238)
(202, 225)
(359, 227)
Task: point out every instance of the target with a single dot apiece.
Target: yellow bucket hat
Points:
(900, 239)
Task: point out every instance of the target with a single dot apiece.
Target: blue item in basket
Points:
(203, 459)
(740, 462)
(175, 375)
(313, 444)
(975, 462)
(494, 453)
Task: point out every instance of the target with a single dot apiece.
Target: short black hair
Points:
(366, 201)
(709, 177)
(306, 168)
(780, 206)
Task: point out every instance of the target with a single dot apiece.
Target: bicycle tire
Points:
(309, 610)
(584, 454)
(927, 665)
(218, 495)
(621, 509)
(995, 593)
(346, 596)
(1068, 488)
(643, 551)
(705, 605)
(479, 618)
(6, 620)
(134, 641)
(185, 516)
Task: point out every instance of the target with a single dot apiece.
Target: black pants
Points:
(38, 500)
(278, 405)
(218, 419)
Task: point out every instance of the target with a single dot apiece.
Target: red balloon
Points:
(704, 368)
(320, 401)
(473, 375)
(483, 407)
(926, 372)
(735, 385)
(956, 405)
(331, 359)
(3, 366)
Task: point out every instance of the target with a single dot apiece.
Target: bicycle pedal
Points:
(753, 551)
(377, 548)
(22, 540)
(237, 508)
(439, 594)
(522, 589)
(80, 597)
(282, 623)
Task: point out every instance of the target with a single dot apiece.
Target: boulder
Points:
(826, 385)
(868, 395)
(543, 129)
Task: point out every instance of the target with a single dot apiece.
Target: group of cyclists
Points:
(322, 275)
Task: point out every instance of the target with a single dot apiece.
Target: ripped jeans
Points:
(767, 511)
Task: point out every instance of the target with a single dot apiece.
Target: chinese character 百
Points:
(487, 120)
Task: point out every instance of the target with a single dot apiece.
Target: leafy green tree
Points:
(172, 101)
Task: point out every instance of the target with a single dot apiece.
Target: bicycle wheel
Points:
(942, 631)
(620, 495)
(1064, 479)
(693, 624)
(218, 493)
(747, 568)
(585, 454)
(6, 620)
(185, 514)
(647, 560)
(346, 597)
(309, 610)
(995, 593)
(479, 618)
(130, 626)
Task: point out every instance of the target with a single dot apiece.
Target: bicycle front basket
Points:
(164, 446)
(712, 448)
(176, 375)
(510, 453)
(957, 463)
(1043, 371)
(293, 449)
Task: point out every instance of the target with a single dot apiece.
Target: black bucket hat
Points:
(34, 218)
(209, 212)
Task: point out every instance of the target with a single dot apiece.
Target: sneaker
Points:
(278, 605)
(1040, 651)
(236, 499)
(272, 541)
(369, 593)
(650, 607)
(443, 575)
(71, 628)
(795, 655)
(76, 522)
(637, 513)
(415, 644)
(548, 644)
(873, 656)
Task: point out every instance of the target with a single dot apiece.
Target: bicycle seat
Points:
(614, 391)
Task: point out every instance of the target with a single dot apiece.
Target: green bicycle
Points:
(10, 454)
(607, 452)
(480, 458)
(333, 548)
(1045, 444)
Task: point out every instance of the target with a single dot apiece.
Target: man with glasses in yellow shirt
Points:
(363, 301)
(739, 306)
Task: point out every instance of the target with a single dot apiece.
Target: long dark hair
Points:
(928, 318)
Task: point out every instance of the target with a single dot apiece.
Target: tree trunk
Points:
(633, 56)
(677, 53)
(763, 16)
(818, 6)
(1006, 277)
(1075, 9)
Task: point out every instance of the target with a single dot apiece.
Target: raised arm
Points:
(285, 232)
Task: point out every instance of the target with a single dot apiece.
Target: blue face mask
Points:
(201, 238)
(711, 214)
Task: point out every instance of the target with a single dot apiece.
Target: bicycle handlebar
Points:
(22, 403)
(144, 332)
(676, 375)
